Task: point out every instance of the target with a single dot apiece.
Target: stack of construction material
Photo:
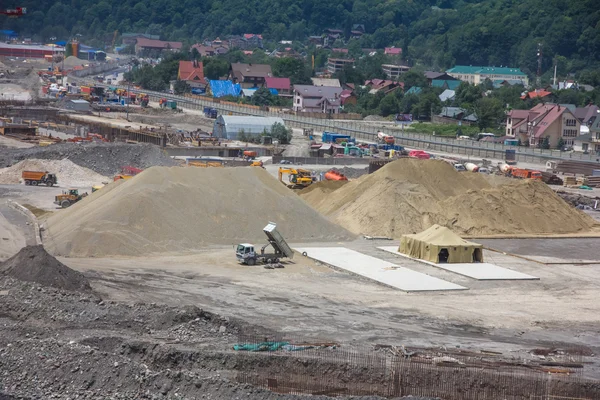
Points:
(410, 195)
(569, 181)
(577, 167)
(593, 181)
(183, 209)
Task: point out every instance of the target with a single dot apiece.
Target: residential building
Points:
(447, 95)
(131, 38)
(587, 115)
(320, 99)
(326, 82)
(377, 85)
(331, 35)
(451, 84)
(477, 75)
(210, 50)
(544, 120)
(595, 136)
(392, 51)
(347, 97)
(282, 85)
(316, 40)
(337, 64)
(340, 50)
(192, 72)
(394, 71)
(253, 41)
(454, 116)
(143, 44)
(537, 93)
(250, 75)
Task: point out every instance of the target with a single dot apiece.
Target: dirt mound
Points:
(317, 193)
(34, 264)
(409, 195)
(103, 158)
(67, 172)
(179, 209)
(73, 61)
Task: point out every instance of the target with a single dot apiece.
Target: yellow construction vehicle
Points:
(68, 197)
(298, 178)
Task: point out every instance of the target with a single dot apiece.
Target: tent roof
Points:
(442, 236)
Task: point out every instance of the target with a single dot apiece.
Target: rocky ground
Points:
(103, 158)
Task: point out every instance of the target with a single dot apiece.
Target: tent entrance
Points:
(443, 256)
(477, 255)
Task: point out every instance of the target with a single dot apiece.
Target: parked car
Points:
(285, 162)
(459, 167)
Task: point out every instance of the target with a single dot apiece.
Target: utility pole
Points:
(128, 96)
(539, 66)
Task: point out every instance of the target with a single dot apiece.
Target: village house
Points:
(192, 72)
(282, 85)
(249, 75)
(318, 99)
(553, 121)
(384, 85)
(326, 82)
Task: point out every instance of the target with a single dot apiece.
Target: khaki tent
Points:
(439, 244)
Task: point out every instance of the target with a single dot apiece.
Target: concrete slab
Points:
(479, 271)
(378, 270)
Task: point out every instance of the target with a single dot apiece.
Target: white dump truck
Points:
(247, 254)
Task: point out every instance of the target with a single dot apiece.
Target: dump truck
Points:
(68, 197)
(246, 253)
(39, 178)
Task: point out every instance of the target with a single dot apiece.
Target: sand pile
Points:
(181, 209)
(34, 264)
(73, 61)
(409, 195)
(67, 172)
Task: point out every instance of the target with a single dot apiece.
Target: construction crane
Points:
(114, 40)
(14, 13)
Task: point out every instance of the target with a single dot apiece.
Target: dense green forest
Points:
(435, 33)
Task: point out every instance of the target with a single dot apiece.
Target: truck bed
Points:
(277, 241)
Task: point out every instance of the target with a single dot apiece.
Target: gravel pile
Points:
(352, 173)
(56, 344)
(33, 264)
(67, 172)
(103, 158)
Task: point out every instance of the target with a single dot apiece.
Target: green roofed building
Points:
(476, 75)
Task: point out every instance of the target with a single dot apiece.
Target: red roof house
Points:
(282, 85)
(393, 51)
(192, 72)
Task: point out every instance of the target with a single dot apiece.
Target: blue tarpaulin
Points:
(224, 88)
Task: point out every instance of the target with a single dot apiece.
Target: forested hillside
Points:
(437, 33)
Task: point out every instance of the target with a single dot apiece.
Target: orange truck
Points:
(526, 174)
(36, 178)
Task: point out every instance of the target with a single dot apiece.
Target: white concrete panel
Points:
(379, 270)
(479, 271)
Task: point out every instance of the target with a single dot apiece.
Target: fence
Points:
(367, 130)
(322, 160)
(321, 368)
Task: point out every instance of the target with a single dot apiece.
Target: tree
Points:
(489, 112)
(467, 94)
(414, 77)
(180, 87)
(292, 68)
(389, 105)
(262, 97)
(561, 144)
(214, 68)
(281, 133)
(546, 143)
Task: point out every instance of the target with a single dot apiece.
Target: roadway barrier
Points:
(367, 130)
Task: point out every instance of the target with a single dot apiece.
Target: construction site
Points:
(144, 256)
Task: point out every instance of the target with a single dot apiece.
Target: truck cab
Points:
(245, 253)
